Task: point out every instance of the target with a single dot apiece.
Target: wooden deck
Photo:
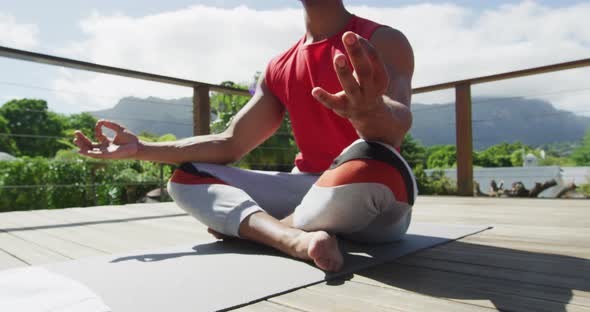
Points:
(535, 259)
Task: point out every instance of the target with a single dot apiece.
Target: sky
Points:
(214, 41)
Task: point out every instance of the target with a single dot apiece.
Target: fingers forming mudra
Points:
(363, 85)
(123, 145)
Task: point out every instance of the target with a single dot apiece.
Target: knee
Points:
(217, 205)
(370, 162)
(365, 181)
(342, 209)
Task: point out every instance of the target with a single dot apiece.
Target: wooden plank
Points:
(130, 234)
(394, 298)
(8, 261)
(488, 292)
(464, 139)
(519, 265)
(307, 300)
(265, 306)
(174, 221)
(45, 238)
(28, 252)
(99, 238)
(550, 264)
(77, 235)
(530, 245)
(151, 229)
(109, 238)
(497, 216)
(516, 275)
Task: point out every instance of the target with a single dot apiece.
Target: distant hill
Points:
(533, 122)
(152, 114)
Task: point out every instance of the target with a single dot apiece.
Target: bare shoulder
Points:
(394, 48)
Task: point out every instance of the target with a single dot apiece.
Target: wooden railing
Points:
(463, 115)
(200, 89)
(201, 100)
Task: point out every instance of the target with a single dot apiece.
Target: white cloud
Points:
(17, 35)
(450, 42)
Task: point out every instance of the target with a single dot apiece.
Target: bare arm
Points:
(377, 90)
(253, 124)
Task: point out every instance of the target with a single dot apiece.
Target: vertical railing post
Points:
(162, 182)
(463, 119)
(201, 110)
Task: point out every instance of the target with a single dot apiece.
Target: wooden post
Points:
(161, 182)
(464, 139)
(201, 110)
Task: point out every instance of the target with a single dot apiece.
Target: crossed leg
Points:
(299, 218)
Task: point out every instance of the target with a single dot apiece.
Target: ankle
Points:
(294, 243)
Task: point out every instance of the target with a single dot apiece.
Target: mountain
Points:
(495, 120)
(152, 114)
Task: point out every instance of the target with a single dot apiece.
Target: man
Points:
(347, 87)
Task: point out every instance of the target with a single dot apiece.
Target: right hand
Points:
(124, 145)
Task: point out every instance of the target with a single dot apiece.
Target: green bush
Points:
(436, 184)
(585, 189)
(73, 181)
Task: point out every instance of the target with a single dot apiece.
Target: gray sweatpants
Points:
(363, 211)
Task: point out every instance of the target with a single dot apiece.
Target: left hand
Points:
(363, 87)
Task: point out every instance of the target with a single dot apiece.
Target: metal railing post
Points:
(463, 119)
(201, 110)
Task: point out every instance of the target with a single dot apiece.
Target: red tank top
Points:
(319, 133)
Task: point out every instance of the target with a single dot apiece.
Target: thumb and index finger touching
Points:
(86, 145)
(109, 125)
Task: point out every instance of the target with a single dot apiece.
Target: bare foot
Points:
(322, 248)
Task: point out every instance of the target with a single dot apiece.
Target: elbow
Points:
(234, 150)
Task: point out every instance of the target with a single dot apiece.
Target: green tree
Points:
(500, 155)
(83, 122)
(413, 151)
(581, 155)
(36, 130)
(152, 137)
(443, 157)
(276, 153)
(7, 143)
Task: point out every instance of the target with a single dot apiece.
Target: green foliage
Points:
(31, 130)
(70, 180)
(557, 161)
(276, 153)
(581, 155)
(152, 137)
(501, 155)
(435, 184)
(442, 157)
(31, 117)
(585, 189)
(7, 143)
(83, 122)
(413, 151)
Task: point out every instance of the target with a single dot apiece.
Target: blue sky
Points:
(66, 28)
